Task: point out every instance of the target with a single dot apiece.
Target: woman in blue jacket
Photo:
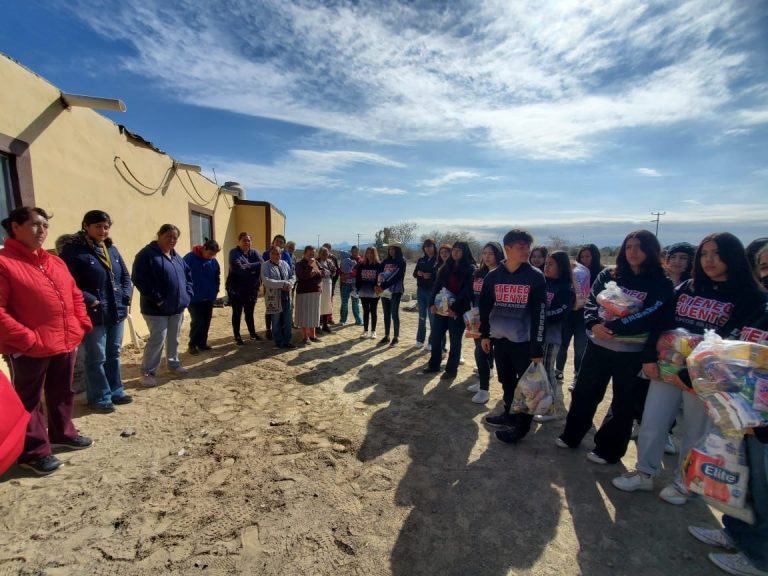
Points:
(164, 281)
(102, 275)
(206, 277)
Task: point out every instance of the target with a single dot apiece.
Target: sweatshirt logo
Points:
(477, 285)
(512, 293)
(368, 274)
(635, 293)
(707, 310)
(390, 268)
(754, 335)
(550, 297)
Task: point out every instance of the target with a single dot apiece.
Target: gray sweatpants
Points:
(661, 407)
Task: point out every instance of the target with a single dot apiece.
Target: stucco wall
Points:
(81, 161)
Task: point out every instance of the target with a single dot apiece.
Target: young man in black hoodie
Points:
(512, 314)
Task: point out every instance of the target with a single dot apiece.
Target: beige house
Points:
(71, 159)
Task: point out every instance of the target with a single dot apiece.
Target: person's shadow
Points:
(467, 517)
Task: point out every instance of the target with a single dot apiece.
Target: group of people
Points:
(523, 304)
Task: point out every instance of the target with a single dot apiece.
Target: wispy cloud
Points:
(530, 79)
(386, 191)
(298, 169)
(450, 178)
(649, 172)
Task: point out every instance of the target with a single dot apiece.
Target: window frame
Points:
(200, 211)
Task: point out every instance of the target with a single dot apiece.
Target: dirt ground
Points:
(332, 459)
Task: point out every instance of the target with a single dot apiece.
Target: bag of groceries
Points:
(533, 394)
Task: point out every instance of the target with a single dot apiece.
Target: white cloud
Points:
(648, 172)
(386, 191)
(531, 79)
(298, 169)
(450, 178)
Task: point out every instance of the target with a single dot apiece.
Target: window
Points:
(6, 191)
(201, 227)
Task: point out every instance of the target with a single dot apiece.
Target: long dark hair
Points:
(596, 267)
(466, 264)
(651, 248)
(497, 251)
(544, 253)
(563, 265)
(732, 254)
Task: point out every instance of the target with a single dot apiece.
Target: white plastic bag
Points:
(533, 394)
(472, 321)
(443, 301)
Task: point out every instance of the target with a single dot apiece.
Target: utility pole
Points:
(318, 241)
(658, 217)
(358, 239)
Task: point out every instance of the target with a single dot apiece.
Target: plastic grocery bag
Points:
(731, 377)
(674, 346)
(443, 301)
(533, 394)
(472, 320)
(615, 303)
(383, 277)
(717, 469)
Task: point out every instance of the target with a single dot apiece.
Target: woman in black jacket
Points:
(425, 273)
(456, 277)
(618, 348)
(103, 277)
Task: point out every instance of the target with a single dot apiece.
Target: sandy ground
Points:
(336, 458)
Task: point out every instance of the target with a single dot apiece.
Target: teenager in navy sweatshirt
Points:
(560, 299)
(512, 317)
(366, 281)
(722, 296)
(456, 278)
(393, 268)
(619, 348)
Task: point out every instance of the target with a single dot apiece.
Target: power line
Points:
(658, 217)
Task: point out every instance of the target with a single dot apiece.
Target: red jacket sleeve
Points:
(14, 336)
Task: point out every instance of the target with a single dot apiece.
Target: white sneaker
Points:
(737, 564)
(180, 370)
(462, 361)
(544, 417)
(491, 374)
(674, 494)
(373, 335)
(148, 380)
(428, 348)
(364, 335)
(343, 324)
(419, 344)
(633, 480)
(595, 459)
(473, 387)
(481, 397)
(713, 537)
(669, 447)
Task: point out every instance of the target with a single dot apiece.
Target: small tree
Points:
(451, 237)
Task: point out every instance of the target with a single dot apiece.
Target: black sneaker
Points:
(384, 340)
(255, 337)
(510, 436)
(503, 420)
(76, 443)
(205, 347)
(290, 346)
(394, 342)
(193, 351)
(239, 341)
(269, 334)
(314, 339)
(429, 370)
(120, 400)
(107, 408)
(448, 375)
(43, 466)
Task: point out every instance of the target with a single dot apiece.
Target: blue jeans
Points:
(455, 329)
(346, 294)
(391, 308)
(422, 298)
(163, 331)
(751, 539)
(102, 364)
(282, 326)
(573, 327)
(484, 364)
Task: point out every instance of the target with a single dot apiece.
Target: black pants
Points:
(455, 329)
(201, 313)
(370, 312)
(237, 310)
(391, 309)
(598, 367)
(268, 321)
(512, 360)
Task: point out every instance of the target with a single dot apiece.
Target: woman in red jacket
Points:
(42, 321)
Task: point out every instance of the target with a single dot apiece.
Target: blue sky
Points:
(577, 119)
